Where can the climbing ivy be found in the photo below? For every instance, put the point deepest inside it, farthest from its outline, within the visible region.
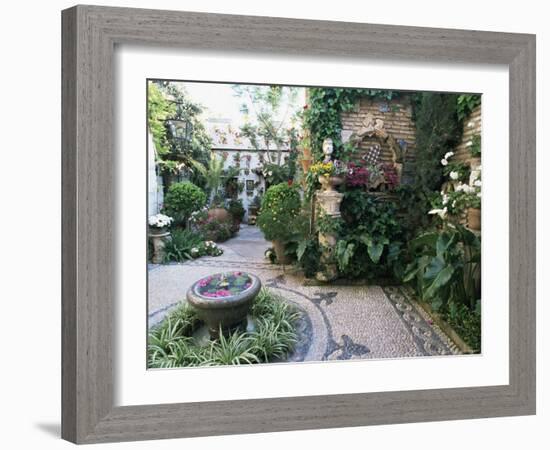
(322, 114)
(465, 104)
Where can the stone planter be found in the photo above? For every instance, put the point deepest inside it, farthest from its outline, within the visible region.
(474, 219)
(226, 313)
(329, 183)
(156, 231)
(279, 247)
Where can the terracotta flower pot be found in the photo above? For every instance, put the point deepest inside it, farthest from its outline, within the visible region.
(220, 214)
(306, 164)
(474, 218)
(279, 247)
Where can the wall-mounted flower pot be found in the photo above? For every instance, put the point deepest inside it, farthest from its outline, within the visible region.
(474, 219)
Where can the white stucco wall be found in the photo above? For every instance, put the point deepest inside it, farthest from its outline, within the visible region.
(244, 176)
(154, 182)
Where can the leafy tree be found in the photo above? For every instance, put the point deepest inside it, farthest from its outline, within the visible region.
(270, 118)
(159, 110)
(169, 100)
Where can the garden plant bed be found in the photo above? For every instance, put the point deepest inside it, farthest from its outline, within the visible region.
(441, 323)
(177, 341)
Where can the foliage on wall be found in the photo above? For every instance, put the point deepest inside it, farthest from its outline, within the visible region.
(323, 113)
(465, 104)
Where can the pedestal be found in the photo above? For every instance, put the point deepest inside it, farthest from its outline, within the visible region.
(329, 201)
(329, 204)
(158, 240)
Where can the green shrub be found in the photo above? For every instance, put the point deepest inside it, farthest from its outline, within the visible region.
(182, 199)
(466, 323)
(370, 238)
(236, 209)
(444, 266)
(171, 343)
(217, 230)
(280, 209)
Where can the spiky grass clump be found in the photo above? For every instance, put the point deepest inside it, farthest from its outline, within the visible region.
(171, 343)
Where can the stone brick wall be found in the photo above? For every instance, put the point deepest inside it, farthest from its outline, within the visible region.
(397, 117)
(472, 126)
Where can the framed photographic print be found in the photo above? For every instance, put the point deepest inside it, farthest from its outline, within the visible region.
(265, 229)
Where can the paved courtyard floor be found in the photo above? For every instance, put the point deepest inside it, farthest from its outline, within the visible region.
(338, 322)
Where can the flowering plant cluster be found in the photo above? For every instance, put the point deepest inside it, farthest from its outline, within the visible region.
(206, 248)
(198, 217)
(224, 285)
(322, 169)
(464, 195)
(160, 220)
(357, 175)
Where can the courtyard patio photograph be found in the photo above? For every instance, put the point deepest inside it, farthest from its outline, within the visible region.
(306, 224)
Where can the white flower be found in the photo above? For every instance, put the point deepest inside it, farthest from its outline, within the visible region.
(469, 144)
(477, 183)
(448, 155)
(159, 220)
(194, 250)
(445, 199)
(444, 162)
(470, 124)
(479, 194)
(454, 203)
(454, 175)
(270, 173)
(440, 212)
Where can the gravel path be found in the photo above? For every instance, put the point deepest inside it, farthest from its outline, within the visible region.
(339, 322)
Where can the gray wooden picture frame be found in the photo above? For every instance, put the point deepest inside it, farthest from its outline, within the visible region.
(90, 34)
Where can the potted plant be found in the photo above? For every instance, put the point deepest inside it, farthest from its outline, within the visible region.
(306, 154)
(159, 223)
(236, 209)
(279, 211)
(330, 174)
(158, 234)
(474, 200)
(217, 210)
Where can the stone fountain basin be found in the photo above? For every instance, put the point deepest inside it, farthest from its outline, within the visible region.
(226, 312)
